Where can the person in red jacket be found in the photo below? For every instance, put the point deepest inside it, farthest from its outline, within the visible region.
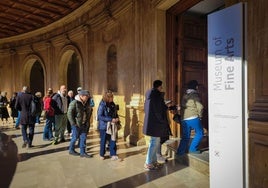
(50, 116)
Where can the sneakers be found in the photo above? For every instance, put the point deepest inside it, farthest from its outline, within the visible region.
(24, 144)
(114, 158)
(102, 158)
(161, 159)
(150, 167)
(54, 142)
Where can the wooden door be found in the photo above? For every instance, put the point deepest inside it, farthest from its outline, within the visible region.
(187, 59)
(193, 57)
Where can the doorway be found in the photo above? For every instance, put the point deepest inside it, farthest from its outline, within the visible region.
(37, 78)
(187, 51)
(73, 73)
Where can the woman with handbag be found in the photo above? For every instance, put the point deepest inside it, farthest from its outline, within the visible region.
(108, 119)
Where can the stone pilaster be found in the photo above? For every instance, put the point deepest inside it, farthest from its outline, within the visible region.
(136, 112)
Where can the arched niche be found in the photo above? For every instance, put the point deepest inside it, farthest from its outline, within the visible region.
(70, 68)
(34, 73)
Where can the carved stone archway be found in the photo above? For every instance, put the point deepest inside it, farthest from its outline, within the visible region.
(28, 74)
(68, 54)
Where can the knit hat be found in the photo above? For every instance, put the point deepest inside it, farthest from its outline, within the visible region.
(192, 84)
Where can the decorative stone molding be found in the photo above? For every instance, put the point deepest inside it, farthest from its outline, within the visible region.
(86, 28)
(12, 51)
(112, 31)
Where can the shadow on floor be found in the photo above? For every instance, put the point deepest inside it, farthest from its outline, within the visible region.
(147, 176)
(8, 159)
(26, 156)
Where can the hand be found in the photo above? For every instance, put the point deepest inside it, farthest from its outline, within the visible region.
(115, 120)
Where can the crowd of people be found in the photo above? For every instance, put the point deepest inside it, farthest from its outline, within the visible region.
(64, 113)
(67, 113)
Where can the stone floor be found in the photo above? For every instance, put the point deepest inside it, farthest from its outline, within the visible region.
(47, 165)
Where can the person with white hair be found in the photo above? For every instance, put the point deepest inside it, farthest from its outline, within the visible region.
(27, 119)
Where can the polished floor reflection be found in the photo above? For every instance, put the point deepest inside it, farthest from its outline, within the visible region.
(47, 165)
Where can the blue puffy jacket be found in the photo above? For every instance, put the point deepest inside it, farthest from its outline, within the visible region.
(103, 116)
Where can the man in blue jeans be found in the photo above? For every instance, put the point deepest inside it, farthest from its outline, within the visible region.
(191, 113)
(155, 122)
(27, 120)
(79, 113)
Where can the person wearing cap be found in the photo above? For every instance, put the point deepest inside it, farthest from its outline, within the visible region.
(156, 123)
(191, 114)
(79, 113)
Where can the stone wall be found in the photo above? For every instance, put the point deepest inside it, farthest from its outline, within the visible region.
(135, 29)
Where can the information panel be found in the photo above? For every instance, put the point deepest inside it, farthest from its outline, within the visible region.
(226, 99)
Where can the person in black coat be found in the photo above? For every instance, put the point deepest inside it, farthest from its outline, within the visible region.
(23, 104)
(12, 102)
(155, 122)
(3, 106)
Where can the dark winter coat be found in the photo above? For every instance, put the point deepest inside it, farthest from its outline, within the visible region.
(78, 113)
(39, 105)
(14, 111)
(3, 107)
(155, 120)
(23, 104)
(57, 104)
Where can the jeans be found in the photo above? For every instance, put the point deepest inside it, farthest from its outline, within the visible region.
(27, 137)
(17, 120)
(37, 119)
(60, 125)
(187, 125)
(152, 150)
(78, 133)
(50, 120)
(112, 144)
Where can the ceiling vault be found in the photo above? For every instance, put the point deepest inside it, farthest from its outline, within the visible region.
(22, 16)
